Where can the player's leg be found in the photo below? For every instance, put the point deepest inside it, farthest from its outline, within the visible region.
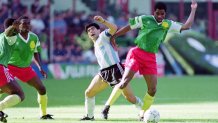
(9, 85)
(42, 96)
(15, 96)
(33, 80)
(151, 81)
(127, 77)
(118, 89)
(129, 95)
(96, 86)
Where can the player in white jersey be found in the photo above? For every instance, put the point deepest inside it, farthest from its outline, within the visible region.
(111, 70)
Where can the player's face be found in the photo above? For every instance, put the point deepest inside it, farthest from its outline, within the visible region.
(159, 15)
(93, 33)
(24, 25)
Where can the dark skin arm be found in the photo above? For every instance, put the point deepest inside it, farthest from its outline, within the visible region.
(38, 63)
(12, 30)
(120, 32)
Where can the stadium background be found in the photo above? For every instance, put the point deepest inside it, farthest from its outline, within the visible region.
(188, 63)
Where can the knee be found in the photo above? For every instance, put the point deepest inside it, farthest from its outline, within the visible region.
(42, 90)
(89, 93)
(152, 91)
(20, 94)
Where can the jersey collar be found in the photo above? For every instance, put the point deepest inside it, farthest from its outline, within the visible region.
(25, 39)
(156, 20)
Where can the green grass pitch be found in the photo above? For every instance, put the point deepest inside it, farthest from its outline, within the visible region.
(178, 99)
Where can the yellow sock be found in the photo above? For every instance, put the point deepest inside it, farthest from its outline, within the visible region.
(148, 101)
(114, 95)
(42, 100)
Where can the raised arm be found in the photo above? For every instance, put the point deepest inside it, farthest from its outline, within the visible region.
(12, 30)
(112, 27)
(190, 19)
(122, 31)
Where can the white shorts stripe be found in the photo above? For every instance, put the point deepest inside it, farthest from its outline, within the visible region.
(7, 75)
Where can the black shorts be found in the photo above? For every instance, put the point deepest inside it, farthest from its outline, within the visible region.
(113, 74)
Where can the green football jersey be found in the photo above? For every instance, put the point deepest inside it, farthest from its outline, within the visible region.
(6, 47)
(152, 33)
(24, 50)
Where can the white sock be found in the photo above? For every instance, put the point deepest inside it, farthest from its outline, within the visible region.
(9, 101)
(90, 106)
(138, 103)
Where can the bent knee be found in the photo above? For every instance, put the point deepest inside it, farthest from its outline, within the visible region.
(21, 95)
(89, 93)
(152, 91)
(41, 90)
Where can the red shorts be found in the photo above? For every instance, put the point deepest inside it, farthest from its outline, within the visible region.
(24, 74)
(142, 61)
(5, 76)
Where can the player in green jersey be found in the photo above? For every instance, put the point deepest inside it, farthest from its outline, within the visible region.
(152, 31)
(7, 82)
(28, 46)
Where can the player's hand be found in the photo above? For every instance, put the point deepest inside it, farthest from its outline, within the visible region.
(113, 43)
(16, 24)
(44, 74)
(99, 19)
(194, 4)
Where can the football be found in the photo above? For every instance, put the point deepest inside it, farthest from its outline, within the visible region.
(151, 116)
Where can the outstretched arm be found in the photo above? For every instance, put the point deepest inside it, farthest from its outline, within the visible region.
(190, 19)
(112, 27)
(122, 31)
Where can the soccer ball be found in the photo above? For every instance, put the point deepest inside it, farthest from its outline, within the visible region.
(151, 116)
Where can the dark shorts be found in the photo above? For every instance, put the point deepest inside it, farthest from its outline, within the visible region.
(113, 74)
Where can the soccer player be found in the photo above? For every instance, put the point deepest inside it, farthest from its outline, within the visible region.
(28, 45)
(152, 32)
(7, 82)
(111, 69)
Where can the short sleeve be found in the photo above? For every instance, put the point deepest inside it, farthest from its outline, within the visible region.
(11, 40)
(107, 33)
(175, 27)
(135, 22)
(38, 47)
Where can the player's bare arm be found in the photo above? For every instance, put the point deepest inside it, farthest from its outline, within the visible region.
(122, 31)
(112, 27)
(39, 65)
(190, 19)
(12, 30)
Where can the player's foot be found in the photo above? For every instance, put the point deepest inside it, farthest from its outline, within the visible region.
(47, 117)
(88, 118)
(105, 112)
(3, 117)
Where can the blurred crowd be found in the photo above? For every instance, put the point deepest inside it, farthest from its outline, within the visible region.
(70, 42)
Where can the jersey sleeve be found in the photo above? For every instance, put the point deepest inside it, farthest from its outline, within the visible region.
(38, 47)
(105, 35)
(11, 40)
(135, 22)
(175, 27)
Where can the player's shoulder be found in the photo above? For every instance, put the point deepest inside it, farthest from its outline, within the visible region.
(33, 34)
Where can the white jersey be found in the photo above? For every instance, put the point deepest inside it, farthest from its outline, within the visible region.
(104, 52)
